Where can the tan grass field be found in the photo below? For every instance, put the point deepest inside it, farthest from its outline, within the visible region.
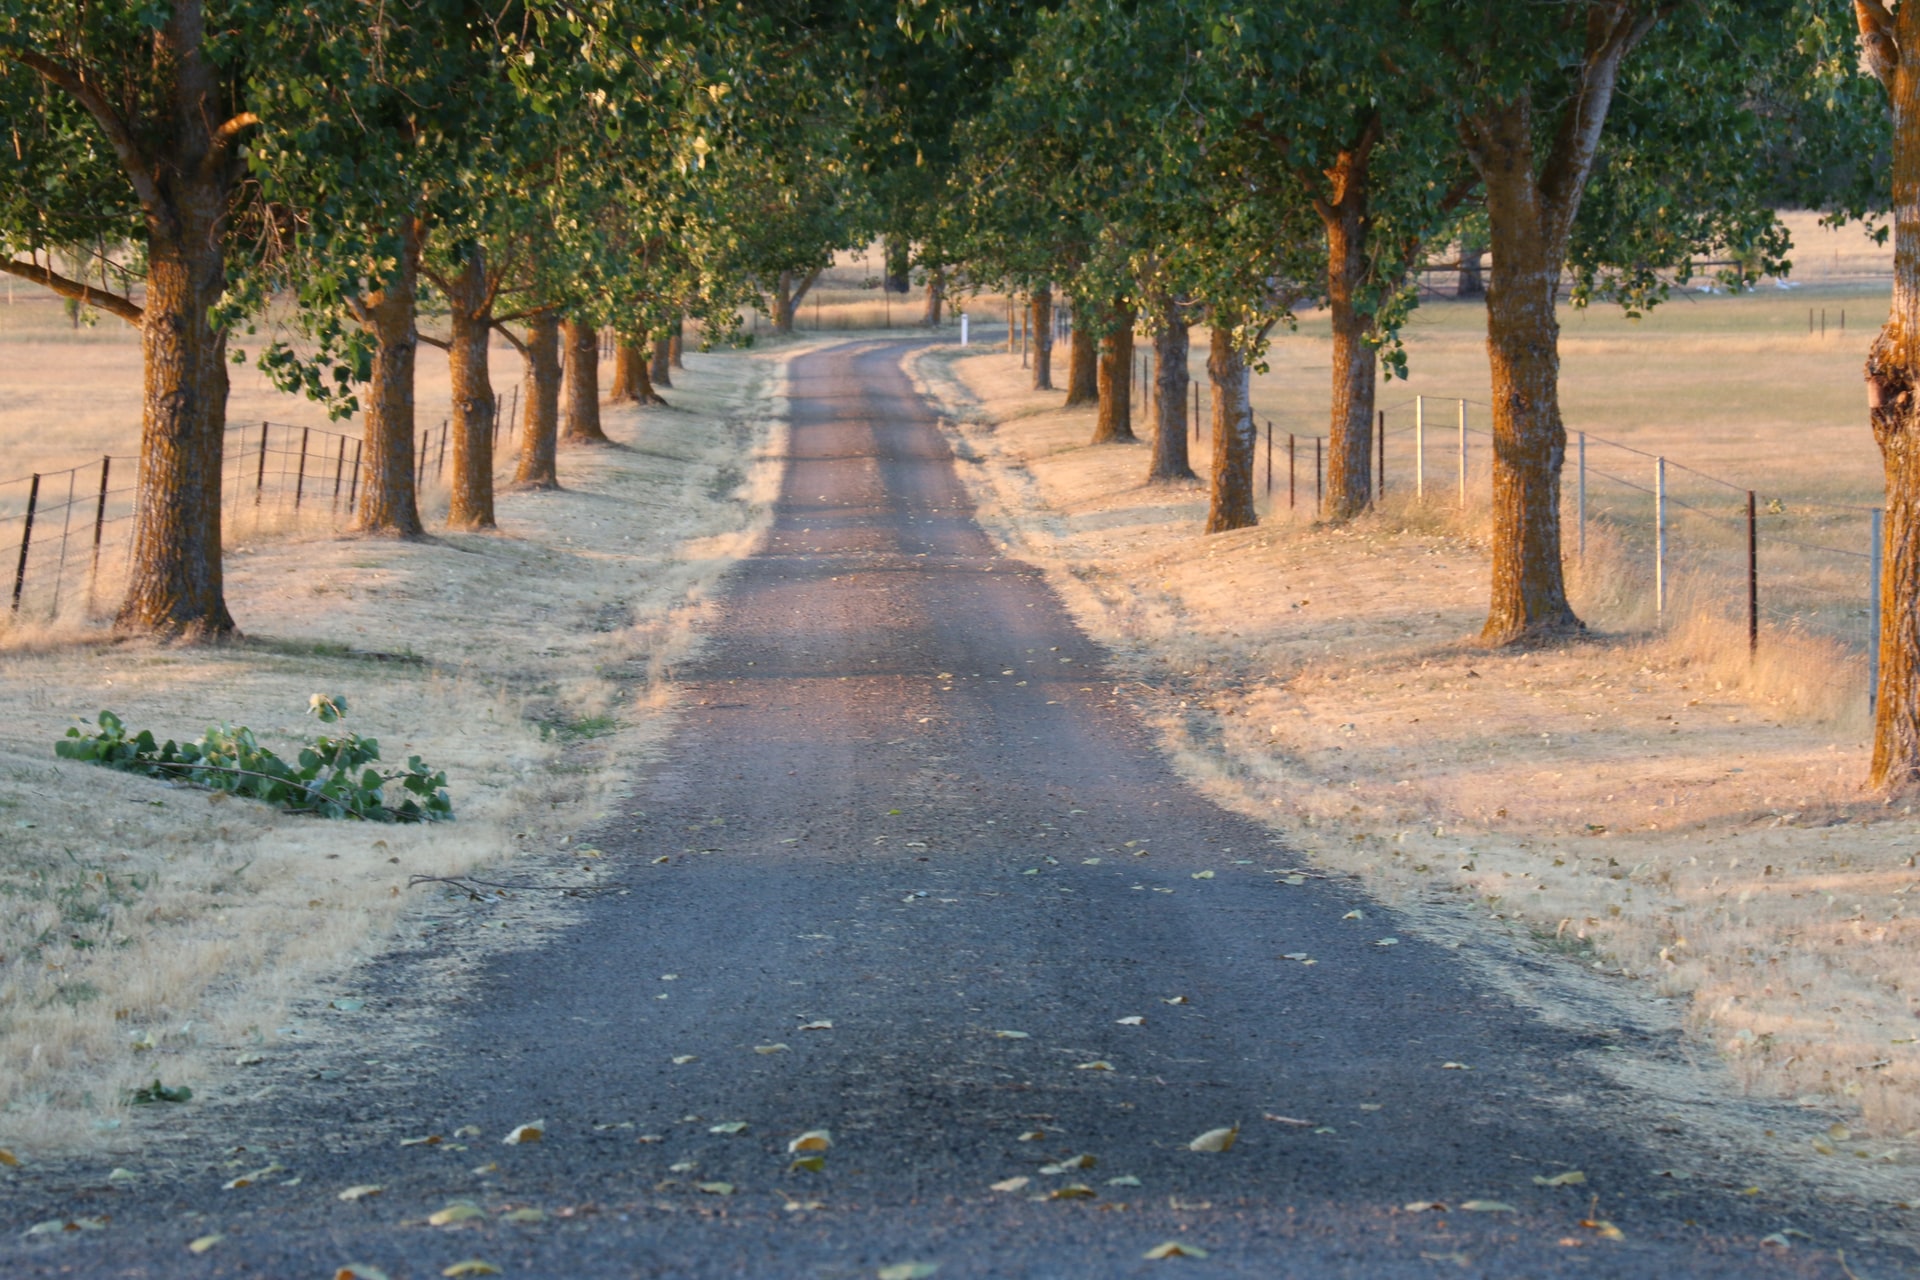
(1648, 803)
(159, 932)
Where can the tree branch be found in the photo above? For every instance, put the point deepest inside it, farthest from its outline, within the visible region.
(85, 294)
(224, 137)
(1877, 43)
(139, 172)
(432, 341)
(499, 327)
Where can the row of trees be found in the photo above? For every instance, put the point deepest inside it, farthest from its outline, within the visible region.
(445, 171)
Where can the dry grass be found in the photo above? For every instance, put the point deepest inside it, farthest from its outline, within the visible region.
(153, 931)
(1648, 802)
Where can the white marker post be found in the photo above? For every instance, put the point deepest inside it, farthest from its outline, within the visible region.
(963, 328)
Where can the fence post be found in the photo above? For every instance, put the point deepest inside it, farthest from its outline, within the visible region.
(1380, 478)
(440, 464)
(1196, 412)
(420, 465)
(26, 540)
(66, 536)
(1580, 497)
(300, 476)
(1269, 457)
(1319, 492)
(99, 528)
(513, 410)
(1291, 486)
(1753, 579)
(1873, 610)
(353, 479)
(339, 470)
(963, 328)
(260, 472)
(1660, 537)
(1419, 448)
(1463, 455)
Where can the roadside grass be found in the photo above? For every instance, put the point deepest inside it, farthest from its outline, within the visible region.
(1650, 800)
(151, 931)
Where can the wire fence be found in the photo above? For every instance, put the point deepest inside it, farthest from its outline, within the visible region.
(68, 535)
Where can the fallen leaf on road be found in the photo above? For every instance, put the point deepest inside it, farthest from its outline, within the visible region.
(1455, 1066)
(203, 1243)
(1098, 1064)
(347, 1005)
(1203, 875)
(662, 858)
(470, 1267)
(1175, 1202)
(1215, 1140)
(714, 1188)
(1606, 1230)
(1387, 942)
(683, 1059)
(1089, 862)
(1294, 1120)
(812, 1164)
(728, 1127)
(801, 1206)
(812, 1140)
(1173, 1249)
(1295, 880)
(359, 1271)
(1082, 1161)
(431, 1140)
(1135, 1021)
(1011, 1035)
(57, 1226)
(467, 1131)
(1425, 1206)
(1571, 1178)
(770, 1048)
(1354, 915)
(1487, 1206)
(8, 1159)
(524, 1215)
(491, 1166)
(457, 1211)
(1124, 1180)
(908, 1271)
(822, 1025)
(360, 1192)
(1032, 1135)
(1072, 1191)
(1176, 1000)
(525, 1133)
(1301, 956)
(1016, 1183)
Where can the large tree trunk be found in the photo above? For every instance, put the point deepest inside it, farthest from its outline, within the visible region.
(1040, 330)
(1230, 504)
(936, 296)
(1114, 421)
(540, 414)
(470, 506)
(675, 342)
(1170, 381)
(897, 254)
(661, 370)
(625, 387)
(1473, 279)
(788, 293)
(1892, 46)
(1350, 427)
(388, 502)
(582, 379)
(1083, 366)
(1529, 438)
(175, 587)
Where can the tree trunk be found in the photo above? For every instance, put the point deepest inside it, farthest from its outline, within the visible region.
(470, 506)
(789, 291)
(936, 296)
(661, 370)
(1893, 399)
(1473, 280)
(1529, 438)
(897, 252)
(675, 341)
(1083, 367)
(388, 502)
(1113, 424)
(1350, 427)
(1170, 382)
(582, 379)
(625, 388)
(175, 587)
(540, 414)
(1230, 504)
(1040, 330)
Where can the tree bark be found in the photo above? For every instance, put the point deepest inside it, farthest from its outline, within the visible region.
(661, 370)
(582, 382)
(1230, 503)
(1891, 43)
(1473, 279)
(675, 343)
(789, 291)
(625, 387)
(470, 506)
(1113, 423)
(1355, 365)
(388, 501)
(936, 296)
(1529, 438)
(897, 252)
(176, 587)
(1170, 382)
(1083, 366)
(1040, 330)
(540, 412)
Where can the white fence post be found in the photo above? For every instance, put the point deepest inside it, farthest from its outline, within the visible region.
(963, 328)
(1660, 537)
(1419, 448)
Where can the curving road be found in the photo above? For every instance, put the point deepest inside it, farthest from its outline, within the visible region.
(905, 803)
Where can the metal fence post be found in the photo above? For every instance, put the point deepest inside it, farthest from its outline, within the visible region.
(1580, 497)
(353, 479)
(339, 472)
(260, 472)
(66, 535)
(1319, 490)
(1463, 455)
(1874, 554)
(1380, 478)
(1269, 457)
(440, 464)
(1291, 487)
(99, 528)
(26, 541)
(1753, 579)
(1660, 537)
(300, 476)
(1419, 448)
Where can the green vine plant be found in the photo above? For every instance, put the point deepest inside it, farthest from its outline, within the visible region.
(331, 777)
